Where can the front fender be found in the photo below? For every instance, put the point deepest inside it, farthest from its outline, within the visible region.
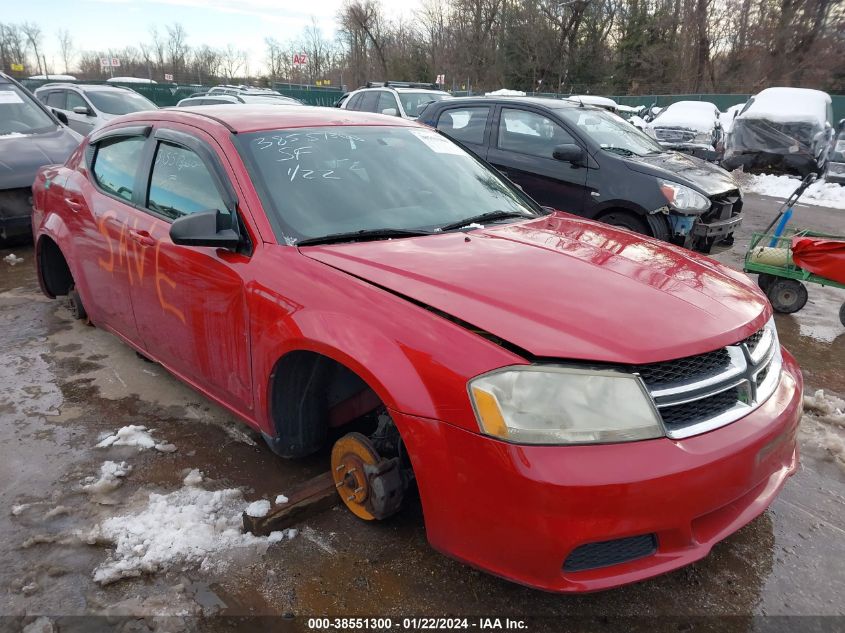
(416, 361)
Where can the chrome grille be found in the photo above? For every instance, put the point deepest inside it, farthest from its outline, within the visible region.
(690, 368)
(704, 392)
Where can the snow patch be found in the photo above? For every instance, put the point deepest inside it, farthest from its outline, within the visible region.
(111, 477)
(12, 259)
(191, 527)
(135, 435)
(258, 509)
(280, 499)
(825, 408)
(193, 478)
(789, 104)
(820, 193)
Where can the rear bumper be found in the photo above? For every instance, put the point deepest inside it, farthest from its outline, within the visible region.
(520, 511)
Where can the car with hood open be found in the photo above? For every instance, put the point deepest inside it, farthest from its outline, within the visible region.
(578, 406)
(782, 130)
(587, 161)
(30, 137)
(691, 127)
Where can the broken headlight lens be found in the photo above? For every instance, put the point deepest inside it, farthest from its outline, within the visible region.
(683, 198)
(561, 405)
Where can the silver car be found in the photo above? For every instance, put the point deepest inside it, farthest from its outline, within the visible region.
(86, 107)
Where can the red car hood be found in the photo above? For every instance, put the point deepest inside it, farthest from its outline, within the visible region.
(563, 287)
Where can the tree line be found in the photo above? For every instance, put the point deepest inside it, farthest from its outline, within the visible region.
(560, 46)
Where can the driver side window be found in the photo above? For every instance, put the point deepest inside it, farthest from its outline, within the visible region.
(180, 184)
(530, 133)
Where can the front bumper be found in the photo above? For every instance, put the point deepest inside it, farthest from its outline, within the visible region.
(717, 228)
(520, 511)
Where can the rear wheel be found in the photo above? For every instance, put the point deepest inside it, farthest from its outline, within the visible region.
(764, 281)
(626, 220)
(842, 314)
(787, 295)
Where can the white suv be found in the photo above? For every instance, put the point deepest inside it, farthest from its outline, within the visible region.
(394, 98)
(86, 107)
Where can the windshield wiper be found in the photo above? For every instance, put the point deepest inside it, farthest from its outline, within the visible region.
(490, 216)
(619, 150)
(362, 235)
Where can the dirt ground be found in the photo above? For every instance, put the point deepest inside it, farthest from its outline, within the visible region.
(66, 385)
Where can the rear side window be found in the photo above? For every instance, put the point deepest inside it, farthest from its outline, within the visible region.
(464, 124)
(116, 163)
(56, 99)
(368, 101)
(181, 184)
(530, 133)
(354, 101)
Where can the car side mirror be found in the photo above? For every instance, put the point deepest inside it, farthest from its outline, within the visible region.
(205, 228)
(569, 153)
(81, 110)
(61, 116)
(390, 112)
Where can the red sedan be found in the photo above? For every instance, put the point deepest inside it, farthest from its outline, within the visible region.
(579, 406)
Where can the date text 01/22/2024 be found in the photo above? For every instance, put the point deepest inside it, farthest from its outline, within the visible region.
(417, 624)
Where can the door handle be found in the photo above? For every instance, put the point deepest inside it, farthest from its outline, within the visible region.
(142, 237)
(74, 203)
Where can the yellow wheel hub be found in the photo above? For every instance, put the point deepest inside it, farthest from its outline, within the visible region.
(350, 455)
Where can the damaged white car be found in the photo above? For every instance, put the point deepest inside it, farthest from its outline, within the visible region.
(692, 127)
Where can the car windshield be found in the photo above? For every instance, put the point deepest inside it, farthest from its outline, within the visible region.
(19, 114)
(317, 182)
(611, 132)
(413, 102)
(119, 101)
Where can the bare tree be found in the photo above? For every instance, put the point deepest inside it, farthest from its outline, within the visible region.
(65, 47)
(32, 33)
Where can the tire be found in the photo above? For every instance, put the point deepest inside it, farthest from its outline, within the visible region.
(764, 281)
(842, 314)
(75, 304)
(625, 220)
(787, 295)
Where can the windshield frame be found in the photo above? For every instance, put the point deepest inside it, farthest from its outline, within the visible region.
(564, 114)
(33, 101)
(286, 237)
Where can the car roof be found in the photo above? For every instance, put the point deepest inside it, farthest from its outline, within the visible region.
(258, 117)
(83, 87)
(401, 89)
(545, 102)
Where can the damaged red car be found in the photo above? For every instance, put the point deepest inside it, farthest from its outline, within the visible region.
(579, 406)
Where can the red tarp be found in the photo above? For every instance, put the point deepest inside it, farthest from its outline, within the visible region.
(820, 256)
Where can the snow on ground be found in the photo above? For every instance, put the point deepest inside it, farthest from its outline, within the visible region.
(12, 259)
(135, 435)
(280, 499)
(258, 509)
(820, 193)
(191, 527)
(111, 476)
(824, 423)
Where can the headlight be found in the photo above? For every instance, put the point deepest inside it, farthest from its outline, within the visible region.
(560, 405)
(682, 198)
